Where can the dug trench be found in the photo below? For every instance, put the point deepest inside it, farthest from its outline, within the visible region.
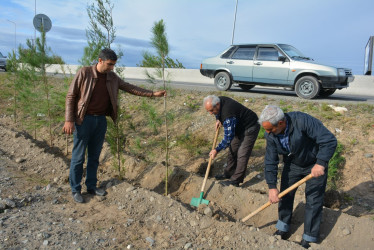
(234, 203)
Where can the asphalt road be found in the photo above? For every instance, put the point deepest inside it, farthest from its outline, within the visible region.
(274, 93)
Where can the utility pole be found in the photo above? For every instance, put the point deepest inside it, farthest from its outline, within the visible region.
(15, 35)
(233, 29)
(33, 42)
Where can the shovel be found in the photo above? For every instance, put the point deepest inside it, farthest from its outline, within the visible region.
(305, 179)
(197, 201)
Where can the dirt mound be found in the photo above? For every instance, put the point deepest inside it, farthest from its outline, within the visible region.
(37, 208)
(37, 211)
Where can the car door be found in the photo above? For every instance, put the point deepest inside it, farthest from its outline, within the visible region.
(268, 69)
(240, 63)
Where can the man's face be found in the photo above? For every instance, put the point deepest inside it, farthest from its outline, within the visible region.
(105, 66)
(275, 129)
(212, 110)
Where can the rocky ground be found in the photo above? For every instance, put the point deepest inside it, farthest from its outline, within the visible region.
(37, 210)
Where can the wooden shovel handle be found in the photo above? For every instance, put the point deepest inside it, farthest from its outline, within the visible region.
(210, 160)
(305, 179)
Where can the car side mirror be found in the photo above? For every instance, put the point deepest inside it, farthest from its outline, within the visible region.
(282, 58)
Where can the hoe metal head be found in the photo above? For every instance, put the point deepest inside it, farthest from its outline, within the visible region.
(197, 201)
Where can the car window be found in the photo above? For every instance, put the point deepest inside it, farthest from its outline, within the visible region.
(245, 53)
(268, 54)
(228, 52)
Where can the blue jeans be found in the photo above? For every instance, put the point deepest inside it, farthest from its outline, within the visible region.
(314, 194)
(89, 135)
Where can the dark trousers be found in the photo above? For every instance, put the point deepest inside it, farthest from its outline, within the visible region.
(239, 152)
(314, 194)
(89, 135)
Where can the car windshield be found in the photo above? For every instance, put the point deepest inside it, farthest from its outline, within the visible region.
(1, 55)
(293, 52)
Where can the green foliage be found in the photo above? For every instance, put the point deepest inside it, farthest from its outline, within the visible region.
(116, 138)
(101, 31)
(35, 101)
(192, 104)
(152, 61)
(153, 119)
(159, 40)
(194, 144)
(325, 107)
(286, 108)
(261, 133)
(336, 163)
(347, 198)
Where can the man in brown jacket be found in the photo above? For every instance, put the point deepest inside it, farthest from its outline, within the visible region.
(92, 96)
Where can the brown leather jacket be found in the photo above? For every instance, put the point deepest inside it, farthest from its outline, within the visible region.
(81, 88)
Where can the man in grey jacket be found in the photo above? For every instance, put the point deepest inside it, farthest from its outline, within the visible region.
(92, 96)
(307, 146)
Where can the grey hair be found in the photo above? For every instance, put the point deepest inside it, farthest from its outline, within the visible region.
(214, 99)
(272, 114)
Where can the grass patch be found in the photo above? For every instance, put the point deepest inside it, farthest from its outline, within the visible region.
(194, 144)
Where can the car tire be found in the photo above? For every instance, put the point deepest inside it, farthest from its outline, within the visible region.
(326, 92)
(222, 81)
(307, 87)
(246, 86)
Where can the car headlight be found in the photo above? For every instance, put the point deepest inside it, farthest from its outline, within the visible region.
(341, 72)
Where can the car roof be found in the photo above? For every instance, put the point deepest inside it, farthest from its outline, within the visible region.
(256, 44)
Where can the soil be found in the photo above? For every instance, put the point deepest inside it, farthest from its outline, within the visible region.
(37, 209)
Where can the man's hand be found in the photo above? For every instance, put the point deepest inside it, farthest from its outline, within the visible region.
(273, 195)
(68, 128)
(213, 153)
(160, 93)
(318, 170)
(218, 124)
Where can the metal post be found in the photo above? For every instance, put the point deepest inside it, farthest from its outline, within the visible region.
(33, 43)
(233, 29)
(15, 35)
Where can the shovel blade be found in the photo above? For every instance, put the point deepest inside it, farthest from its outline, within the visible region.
(197, 201)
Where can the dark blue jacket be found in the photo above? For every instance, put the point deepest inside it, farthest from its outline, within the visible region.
(310, 142)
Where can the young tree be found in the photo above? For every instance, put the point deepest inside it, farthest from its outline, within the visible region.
(38, 98)
(101, 31)
(160, 44)
(13, 69)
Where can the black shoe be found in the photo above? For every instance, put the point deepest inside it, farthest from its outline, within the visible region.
(97, 191)
(304, 244)
(78, 197)
(284, 235)
(221, 177)
(229, 182)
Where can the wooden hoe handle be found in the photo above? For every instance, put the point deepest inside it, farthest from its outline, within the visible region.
(305, 179)
(210, 160)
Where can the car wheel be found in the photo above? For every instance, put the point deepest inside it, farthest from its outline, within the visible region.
(326, 92)
(246, 86)
(307, 87)
(222, 81)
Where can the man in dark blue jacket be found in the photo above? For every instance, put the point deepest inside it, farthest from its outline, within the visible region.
(307, 146)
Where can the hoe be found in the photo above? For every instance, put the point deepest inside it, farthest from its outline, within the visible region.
(305, 179)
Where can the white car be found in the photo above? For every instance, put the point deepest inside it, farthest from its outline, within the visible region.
(278, 65)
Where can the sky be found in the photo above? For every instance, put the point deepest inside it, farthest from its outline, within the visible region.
(333, 32)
